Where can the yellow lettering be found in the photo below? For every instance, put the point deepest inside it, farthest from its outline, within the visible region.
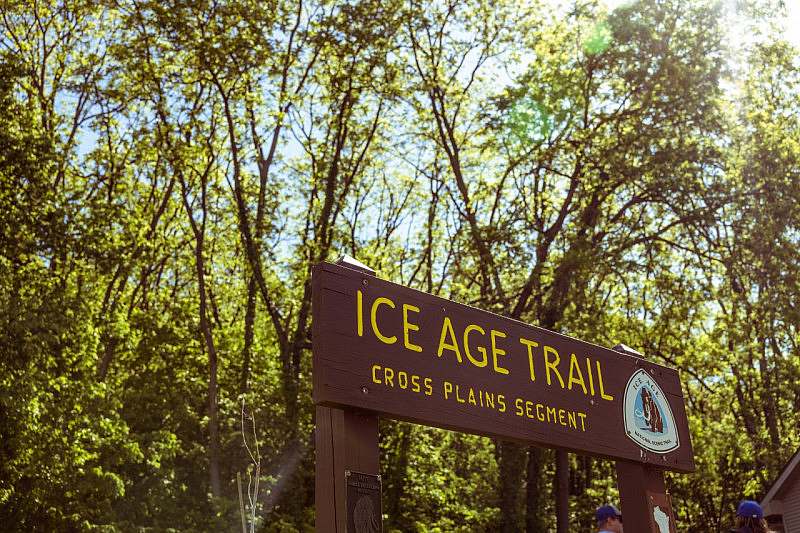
(501, 401)
(573, 365)
(561, 420)
(360, 313)
(573, 422)
(388, 376)
(447, 328)
(497, 351)
(479, 363)
(402, 379)
(374, 376)
(553, 411)
(489, 399)
(582, 416)
(589, 372)
(459, 399)
(448, 388)
(603, 394)
(539, 412)
(518, 405)
(374, 319)
(471, 398)
(428, 386)
(408, 326)
(529, 409)
(415, 383)
(548, 365)
(531, 345)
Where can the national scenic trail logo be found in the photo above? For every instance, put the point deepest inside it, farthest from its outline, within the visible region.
(648, 416)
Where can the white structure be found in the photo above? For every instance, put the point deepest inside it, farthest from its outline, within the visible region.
(783, 498)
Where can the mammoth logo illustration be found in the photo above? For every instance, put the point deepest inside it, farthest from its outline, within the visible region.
(364, 516)
(363, 502)
(648, 415)
(650, 412)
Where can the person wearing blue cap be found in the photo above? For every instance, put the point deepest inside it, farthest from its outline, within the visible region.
(750, 518)
(609, 519)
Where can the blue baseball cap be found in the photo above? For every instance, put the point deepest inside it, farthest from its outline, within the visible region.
(750, 509)
(605, 512)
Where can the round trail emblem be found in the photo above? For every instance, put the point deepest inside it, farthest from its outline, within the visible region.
(648, 415)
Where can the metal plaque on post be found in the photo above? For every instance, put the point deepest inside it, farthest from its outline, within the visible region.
(364, 513)
(663, 519)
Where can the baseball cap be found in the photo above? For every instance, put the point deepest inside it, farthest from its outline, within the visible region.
(607, 511)
(749, 509)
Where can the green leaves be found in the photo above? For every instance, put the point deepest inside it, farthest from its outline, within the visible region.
(599, 39)
(585, 171)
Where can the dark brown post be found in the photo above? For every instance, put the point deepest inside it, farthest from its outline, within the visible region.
(562, 491)
(645, 501)
(644, 498)
(345, 440)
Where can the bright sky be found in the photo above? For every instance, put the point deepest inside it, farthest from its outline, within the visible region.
(791, 22)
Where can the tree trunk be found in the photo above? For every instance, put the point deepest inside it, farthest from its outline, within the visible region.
(511, 463)
(534, 501)
(768, 399)
(205, 328)
(213, 415)
(396, 484)
(562, 491)
(249, 321)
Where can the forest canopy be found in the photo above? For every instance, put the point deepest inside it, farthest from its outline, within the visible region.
(171, 170)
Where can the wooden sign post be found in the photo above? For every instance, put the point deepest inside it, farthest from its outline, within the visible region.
(384, 350)
(346, 441)
(646, 505)
(645, 502)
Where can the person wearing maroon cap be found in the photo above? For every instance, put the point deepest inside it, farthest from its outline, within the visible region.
(609, 519)
(750, 518)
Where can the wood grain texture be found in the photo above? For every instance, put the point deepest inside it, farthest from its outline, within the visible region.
(324, 493)
(641, 489)
(345, 440)
(344, 365)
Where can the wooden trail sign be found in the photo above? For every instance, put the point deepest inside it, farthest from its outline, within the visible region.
(404, 354)
(385, 350)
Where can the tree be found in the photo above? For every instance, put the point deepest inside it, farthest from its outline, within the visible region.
(171, 171)
(589, 174)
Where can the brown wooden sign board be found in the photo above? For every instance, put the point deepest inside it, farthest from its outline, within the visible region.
(381, 349)
(395, 352)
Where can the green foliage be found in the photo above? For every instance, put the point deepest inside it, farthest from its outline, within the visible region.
(459, 497)
(169, 172)
(599, 39)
